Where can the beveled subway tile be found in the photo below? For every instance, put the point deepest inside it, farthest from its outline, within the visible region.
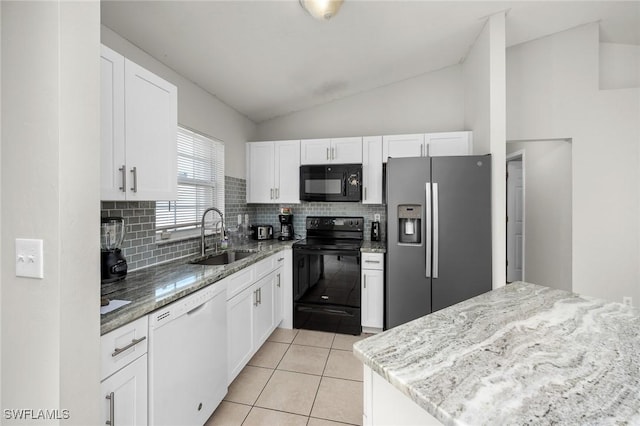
(304, 359)
(264, 417)
(246, 388)
(290, 392)
(339, 400)
(228, 414)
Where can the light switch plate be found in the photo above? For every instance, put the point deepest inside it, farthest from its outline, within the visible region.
(376, 217)
(29, 258)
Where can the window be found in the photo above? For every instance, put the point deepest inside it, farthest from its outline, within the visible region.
(200, 183)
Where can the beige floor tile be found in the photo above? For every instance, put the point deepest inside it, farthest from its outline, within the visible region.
(269, 355)
(246, 388)
(322, 422)
(283, 335)
(304, 359)
(290, 392)
(343, 365)
(339, 400)
(228, 414)
(314, 338)
(345, 341)
(263, 417)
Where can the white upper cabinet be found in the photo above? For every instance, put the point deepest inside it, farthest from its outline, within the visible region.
(399, 146)
(273, 172)
(372, 170)
(449, 143)
(139, 125)
(331, 151)
(430, 144)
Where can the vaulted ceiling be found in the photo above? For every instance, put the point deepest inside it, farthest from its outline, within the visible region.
(268, 58)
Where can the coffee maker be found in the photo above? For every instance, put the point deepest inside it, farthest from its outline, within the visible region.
(113, 263)
(286, 226)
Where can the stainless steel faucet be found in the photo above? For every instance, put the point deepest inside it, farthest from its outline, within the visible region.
(224, 232)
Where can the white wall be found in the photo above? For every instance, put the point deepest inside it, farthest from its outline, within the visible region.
(50, 191)
(197, 108)
(547, 168)
(484, 107)
(431, 102)
(619, 66)
(552, 87)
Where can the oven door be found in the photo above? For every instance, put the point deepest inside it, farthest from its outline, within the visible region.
(326, 290)
(340, 182)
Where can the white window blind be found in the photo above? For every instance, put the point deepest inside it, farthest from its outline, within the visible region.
(200, 182)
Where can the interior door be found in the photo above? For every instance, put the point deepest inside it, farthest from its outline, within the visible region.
(461, 190)
(515, 221)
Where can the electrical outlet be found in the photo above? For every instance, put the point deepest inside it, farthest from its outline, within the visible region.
(376, 217)
(627, 300)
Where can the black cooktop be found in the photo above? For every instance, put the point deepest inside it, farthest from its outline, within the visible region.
(328, 244)
(333, 233)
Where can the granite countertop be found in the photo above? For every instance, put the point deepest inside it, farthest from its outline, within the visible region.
(156, 286)
(521, 354)
(374, 247)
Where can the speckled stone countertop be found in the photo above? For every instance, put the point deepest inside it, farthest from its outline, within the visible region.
(154, 287)
(521, 354)
(373, 247)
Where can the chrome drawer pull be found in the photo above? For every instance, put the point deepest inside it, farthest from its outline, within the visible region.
(112, 408)
(134, 342)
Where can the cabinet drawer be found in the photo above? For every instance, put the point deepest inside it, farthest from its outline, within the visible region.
(123, 345)
(240, 280)
(373, 261)
(265, 266)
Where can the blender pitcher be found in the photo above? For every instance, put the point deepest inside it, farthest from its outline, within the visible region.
(113, 263)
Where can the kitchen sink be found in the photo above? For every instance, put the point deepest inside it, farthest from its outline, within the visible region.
(223, 258)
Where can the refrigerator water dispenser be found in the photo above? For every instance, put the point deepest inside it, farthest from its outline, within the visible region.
(409, 223)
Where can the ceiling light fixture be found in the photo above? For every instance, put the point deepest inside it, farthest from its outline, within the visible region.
(322, 10)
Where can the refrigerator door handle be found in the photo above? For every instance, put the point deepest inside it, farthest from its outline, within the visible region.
(427, 239)
(436, 214)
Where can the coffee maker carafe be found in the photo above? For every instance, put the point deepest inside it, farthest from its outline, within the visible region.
(286, 227)
(113, 263)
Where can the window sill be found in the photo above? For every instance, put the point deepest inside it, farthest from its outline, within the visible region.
(177, 236)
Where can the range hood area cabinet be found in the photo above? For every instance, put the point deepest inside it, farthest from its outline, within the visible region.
(331, 151)
(139, 116)
(427, 145)
(273, 172)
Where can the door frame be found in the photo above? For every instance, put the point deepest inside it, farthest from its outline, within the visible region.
(517, 156)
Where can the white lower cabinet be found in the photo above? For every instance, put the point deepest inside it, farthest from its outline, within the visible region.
(263, 310)
(283, 298)
(372, 281)
(239, 331)
(125, 395)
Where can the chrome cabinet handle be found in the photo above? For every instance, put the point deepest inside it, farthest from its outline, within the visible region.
(365, 281)
(371, 261)
(327, 153)
(255, 297)
(271, 193)
(134, 171)
(112, 408)
(118, 351)
(278, 280)
(421, 151)
(277, 193)
(333, 153)
(260, 296)
(365, 192)
(281, 259)
(123, 170)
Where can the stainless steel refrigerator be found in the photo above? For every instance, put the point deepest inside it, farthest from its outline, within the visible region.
(438, 234)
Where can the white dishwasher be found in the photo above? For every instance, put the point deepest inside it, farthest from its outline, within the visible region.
(188, 358)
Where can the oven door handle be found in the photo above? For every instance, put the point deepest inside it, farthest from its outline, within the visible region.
(321, 251)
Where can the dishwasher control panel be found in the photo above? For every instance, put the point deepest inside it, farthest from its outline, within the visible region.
(185, 305)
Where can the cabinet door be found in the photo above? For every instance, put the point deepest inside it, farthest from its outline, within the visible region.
(151, 117)
(264, 310)
(278, 295)
(240, 331)
(260, 170)
(287, 171)
(450, 143)
(125, 395)
(372, 170)
(112, 160)
(399, 146)
(372, 298)
(346, 150)
(315, 151)
(287, 288)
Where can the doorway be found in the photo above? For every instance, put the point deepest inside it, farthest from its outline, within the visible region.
(515, 216)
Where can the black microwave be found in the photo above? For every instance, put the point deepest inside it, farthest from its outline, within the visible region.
(331, 182)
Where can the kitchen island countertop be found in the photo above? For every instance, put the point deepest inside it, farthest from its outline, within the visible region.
(520, 354)
(151, 288)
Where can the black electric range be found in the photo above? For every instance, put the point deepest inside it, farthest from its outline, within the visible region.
(326, 275)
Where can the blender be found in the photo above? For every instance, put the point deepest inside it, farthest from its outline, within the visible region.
(113, 263)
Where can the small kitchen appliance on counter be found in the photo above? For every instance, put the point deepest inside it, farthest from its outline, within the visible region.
(113, 263)
(286, 225)
(375, 231)
(261, 232)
